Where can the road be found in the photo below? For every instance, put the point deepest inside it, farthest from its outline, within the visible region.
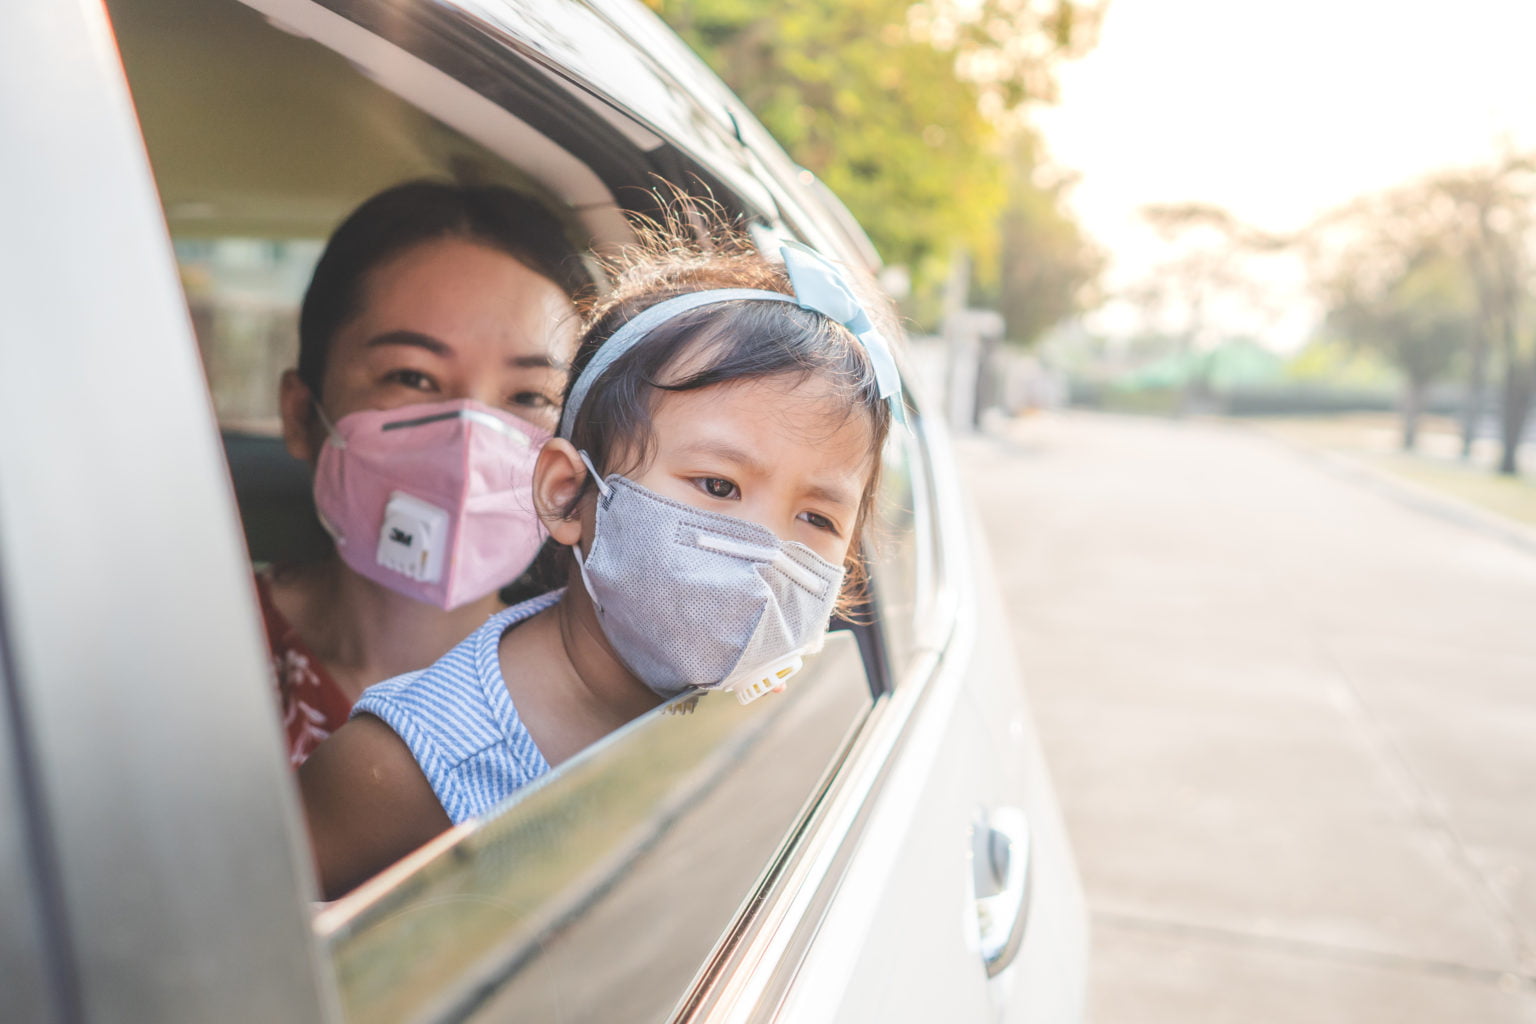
(1291, 720)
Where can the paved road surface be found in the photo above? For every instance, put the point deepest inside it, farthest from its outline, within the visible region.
(1292, 722)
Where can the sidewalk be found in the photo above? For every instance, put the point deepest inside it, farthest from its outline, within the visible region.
(1435, 476)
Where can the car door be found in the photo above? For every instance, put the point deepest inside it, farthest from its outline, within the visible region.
(815, 855)
(960, 900)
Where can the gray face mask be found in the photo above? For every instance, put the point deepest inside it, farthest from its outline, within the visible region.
(690, 598)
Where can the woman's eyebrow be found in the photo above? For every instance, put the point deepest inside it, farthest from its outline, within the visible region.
(411, 339)
(415, 339)
(536, 362)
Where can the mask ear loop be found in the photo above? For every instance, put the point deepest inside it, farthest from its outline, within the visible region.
(332, 437)
(331, 434)
(597, 478)
(581, 559)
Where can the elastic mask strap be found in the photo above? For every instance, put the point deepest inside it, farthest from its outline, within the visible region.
(586, 581)
(581, 557)
(330, 428)
(602, 485)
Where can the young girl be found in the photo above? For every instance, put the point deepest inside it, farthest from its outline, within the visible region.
(714, 463)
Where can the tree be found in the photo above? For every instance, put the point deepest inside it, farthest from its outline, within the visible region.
(895, 105)
(1494, 209)
(1483, 219)
(1048, 270)
(1421, 317)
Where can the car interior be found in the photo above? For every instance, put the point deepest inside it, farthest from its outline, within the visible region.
(279, 139)
(265, 125)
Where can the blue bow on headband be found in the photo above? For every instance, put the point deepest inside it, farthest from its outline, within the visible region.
(822, 287)
(819, 287)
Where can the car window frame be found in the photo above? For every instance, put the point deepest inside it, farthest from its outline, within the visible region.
(817, 844)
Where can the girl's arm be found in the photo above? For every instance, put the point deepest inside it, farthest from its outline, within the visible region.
(367, 802)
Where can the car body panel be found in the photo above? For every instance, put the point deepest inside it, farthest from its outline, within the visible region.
(155, 797)
(33, 955)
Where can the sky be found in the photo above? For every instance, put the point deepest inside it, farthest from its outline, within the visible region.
(1279, 112)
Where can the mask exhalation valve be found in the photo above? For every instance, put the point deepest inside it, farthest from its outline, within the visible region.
(769, 680)
(413, 537)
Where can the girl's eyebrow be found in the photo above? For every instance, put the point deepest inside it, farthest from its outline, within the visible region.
(734, 454)
(831, 494)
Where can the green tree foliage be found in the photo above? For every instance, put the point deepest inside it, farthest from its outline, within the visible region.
(895, 105)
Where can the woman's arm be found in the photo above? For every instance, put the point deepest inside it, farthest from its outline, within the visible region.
(367, 802)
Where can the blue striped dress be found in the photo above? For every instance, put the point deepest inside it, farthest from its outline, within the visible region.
(458, 720)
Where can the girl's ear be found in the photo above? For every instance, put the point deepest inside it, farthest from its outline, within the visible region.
(558, 479)
(300, 424)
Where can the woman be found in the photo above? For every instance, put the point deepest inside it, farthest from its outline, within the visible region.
(453, 303)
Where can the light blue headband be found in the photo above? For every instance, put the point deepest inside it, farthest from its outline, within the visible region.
(819, 286)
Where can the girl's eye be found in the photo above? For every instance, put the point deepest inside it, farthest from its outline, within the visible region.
(717, 487)
(413, 379)
(531, 400)
(820, 522)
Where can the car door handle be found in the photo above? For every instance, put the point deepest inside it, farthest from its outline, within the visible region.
(1000, 858)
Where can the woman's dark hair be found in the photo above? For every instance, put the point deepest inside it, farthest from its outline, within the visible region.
(407, 215)
(739, 339)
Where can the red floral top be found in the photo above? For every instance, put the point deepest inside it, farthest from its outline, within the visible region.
(313, 705)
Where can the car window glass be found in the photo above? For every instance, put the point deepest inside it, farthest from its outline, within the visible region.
(902, 551)
(599, 893)
(243, 295)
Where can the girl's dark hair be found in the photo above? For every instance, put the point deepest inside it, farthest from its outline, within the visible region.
(407, 215)
(740, 339)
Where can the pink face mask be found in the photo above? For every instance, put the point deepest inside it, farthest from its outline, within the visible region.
(434, 501)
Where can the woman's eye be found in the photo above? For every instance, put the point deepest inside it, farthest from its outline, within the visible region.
(531, 400)
(413, 379)
(718, 487)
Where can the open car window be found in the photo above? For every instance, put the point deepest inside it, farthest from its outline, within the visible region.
(615, 880)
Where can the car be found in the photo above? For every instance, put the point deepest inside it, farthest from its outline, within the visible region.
(879, 843)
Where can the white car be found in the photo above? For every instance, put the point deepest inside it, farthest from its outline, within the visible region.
(880, 843)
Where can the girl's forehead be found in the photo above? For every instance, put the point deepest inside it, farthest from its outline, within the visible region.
(805, 398)
(788, 414)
